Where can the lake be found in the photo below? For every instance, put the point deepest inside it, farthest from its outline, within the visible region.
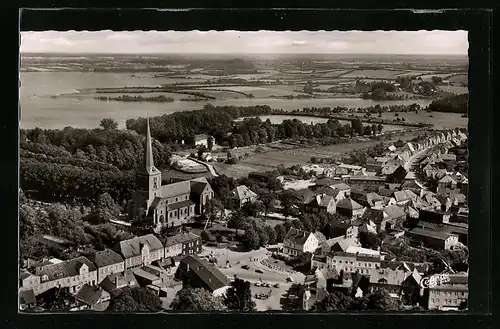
(38, 109)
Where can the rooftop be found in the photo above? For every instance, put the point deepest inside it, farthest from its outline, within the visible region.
(180, 238)
(132, 247)
(206, 272)
(66, 269)
(105, 258)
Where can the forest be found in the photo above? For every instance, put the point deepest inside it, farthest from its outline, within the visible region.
(451, 104)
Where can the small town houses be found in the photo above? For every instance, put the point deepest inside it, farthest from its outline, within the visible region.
(141, 261)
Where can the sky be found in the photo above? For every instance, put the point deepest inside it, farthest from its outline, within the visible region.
(254, 42)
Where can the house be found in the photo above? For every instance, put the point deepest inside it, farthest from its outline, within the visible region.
(344, 190)
(71, 274)
(199, 273)
(434, 216)
(459, 229)
(342, 229)
(242, 195)
(141, 250)
(322, 203)
(374, 165)
(182, 244)
(398, 176)
(378, 217)
(107, 262)
(350, 263)
(447, 182)
(304, 196)
(392, 148)
(366, 180)
(370, 199)
(201, 140)
(400, 279)
(432, 238)
(96, 298)
(449, 295)
(395, 215)
(297, 242)
(335, 193)
(27, 299)
(165, 205)
(349, 208)
(148, 275)
(119, 280)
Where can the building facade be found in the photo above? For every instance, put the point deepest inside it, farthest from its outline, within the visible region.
(141, 250)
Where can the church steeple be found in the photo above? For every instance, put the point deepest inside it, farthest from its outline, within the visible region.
(148, 156)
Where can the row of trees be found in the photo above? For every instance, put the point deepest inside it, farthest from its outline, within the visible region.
(451, 104)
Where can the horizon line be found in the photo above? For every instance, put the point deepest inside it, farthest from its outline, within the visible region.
(246, 54)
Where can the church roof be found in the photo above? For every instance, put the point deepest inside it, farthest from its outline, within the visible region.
(149, 166)
(175, 189)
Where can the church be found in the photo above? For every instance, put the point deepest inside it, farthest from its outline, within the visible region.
(168, 205)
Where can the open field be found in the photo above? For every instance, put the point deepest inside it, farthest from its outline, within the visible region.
(455, 89)
(459, 78)
(382, 74)
(440, 120)
(296, 156)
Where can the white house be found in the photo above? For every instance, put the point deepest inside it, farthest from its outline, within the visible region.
(297, 242)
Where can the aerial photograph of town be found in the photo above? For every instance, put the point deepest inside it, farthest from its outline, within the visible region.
(233, 171)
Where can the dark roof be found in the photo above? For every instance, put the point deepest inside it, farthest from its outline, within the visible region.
(375, 215)
(27, 297)
(297, 236)
(348, 203)
(430, 233)
(89, 294)
(207, 273)
(363, 258)
(328, 191)
(181, 204)
(180, 238)
(198, 185)
(304, 195)
(367, 178)
(116, 280)
(66, 269)
(105, 258)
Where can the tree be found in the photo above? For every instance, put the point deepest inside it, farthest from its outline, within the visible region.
(236, 220)
(280, 232)
(108, 124)
(135, 300)
(201, 149)
(293, 298)
(106, 209)
(379, 128)
(271, 233)
(308, 87)
(251, 238)
(196, 300)
(357, 126)
(252, 209)
(210, 143)
(239, 296)
(369, 240)
(335, 301)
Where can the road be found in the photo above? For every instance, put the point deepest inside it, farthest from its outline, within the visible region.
(415, 157)
(209, 166)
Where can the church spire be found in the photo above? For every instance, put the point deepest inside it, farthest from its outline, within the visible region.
(150, 166)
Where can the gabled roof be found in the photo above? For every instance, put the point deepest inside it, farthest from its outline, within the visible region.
(90, 295)
(198, 185)
(371, 198)
(242, 192)
(304, 196)
(348, 203)
(441, 235)
(132, 247)
(207, 273)
(375, 215)
(66, 269)
(180, 238)
(175, 189)
(116, 280)
(105, 258)
(340, 186)
(297, 236)
(393, 211)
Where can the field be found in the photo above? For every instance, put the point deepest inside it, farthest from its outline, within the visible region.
(455, 89)
(440, 120)
(382, 74)
(459, 78)
(297, 156)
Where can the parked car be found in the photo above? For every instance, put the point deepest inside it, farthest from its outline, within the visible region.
(245, 267)
(257, 284)
(259, 271)
(289, 279)
(276, 285)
